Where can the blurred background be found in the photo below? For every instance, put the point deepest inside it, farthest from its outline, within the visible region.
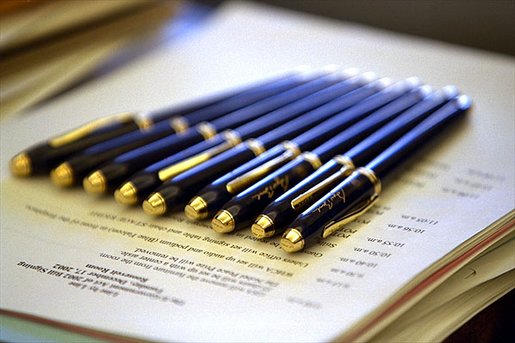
(48, 47)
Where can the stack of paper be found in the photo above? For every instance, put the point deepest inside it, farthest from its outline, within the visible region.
(88, 265)
(51, 45)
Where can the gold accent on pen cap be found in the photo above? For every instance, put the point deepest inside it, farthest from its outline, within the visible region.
(369, 173)
(95, 183)
(62, 175)
(232, 137)
(292, 240)
(155, 205)
(196, 209)
(89, 128)
(144, 123)
(325, 185)
(223, 222)
(345, 161)
(291, 147)
(127, 194)
(263, 227)
(359, 208)
(312, 158)
(21, 165)
(179, 124)
(256, 146)
(207, 130)
(180, 167)
(252, 176)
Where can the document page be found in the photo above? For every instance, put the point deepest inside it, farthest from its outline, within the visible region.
(73, 258)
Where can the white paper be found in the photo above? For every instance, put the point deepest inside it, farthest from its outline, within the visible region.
(445, 319)
(202, 286)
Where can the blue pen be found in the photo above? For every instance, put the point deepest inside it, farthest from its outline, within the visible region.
(358, 192)
(241, 210)
(283, 210)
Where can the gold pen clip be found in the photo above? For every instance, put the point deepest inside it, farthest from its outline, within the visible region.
(359, 208)
(348, 167)
(255, 174)
(89, 128)
(231, 139)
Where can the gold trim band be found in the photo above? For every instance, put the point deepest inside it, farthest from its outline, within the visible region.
(312, 158)
(144, 123)
(291, 147)
(232, 137)
(345, 161)
(256, 146)
(369, 173)
(207, 130)
(179, 124)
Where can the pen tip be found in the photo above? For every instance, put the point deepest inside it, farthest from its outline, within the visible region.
(126, 194)
(95, 183)
(62, 175)
(155, 205)
(263, 227)
(20, 165)
(223, 222)
(292, 241)
(196, 209)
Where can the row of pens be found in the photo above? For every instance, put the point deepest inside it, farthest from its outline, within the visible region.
(297, 156)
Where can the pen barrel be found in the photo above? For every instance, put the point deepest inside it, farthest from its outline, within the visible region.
(336, 209)
(247, 205)
(282, 212)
